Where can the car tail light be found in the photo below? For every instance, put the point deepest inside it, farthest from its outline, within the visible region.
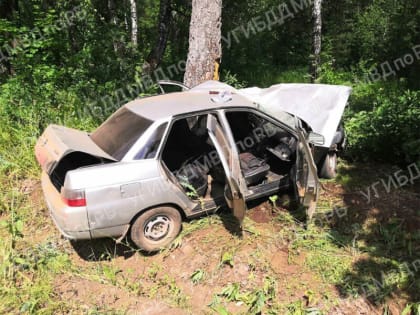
(73, 198)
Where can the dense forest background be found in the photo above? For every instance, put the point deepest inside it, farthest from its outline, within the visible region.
(74, 62)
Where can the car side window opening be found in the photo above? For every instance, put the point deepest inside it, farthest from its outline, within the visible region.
(149, 150)
(189, 154)
(267, 152)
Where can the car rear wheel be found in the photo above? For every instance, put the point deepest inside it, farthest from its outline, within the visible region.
(156, 228)
(329, 167)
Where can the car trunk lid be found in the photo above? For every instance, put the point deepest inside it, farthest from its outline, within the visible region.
(57, 142)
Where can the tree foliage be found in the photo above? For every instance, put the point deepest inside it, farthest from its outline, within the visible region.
(51, 69)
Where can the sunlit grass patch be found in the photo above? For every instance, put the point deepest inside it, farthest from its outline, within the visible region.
(28, 275)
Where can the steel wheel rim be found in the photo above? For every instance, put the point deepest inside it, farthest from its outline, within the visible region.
(157, 227)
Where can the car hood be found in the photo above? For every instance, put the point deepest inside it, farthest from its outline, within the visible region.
(320, 106)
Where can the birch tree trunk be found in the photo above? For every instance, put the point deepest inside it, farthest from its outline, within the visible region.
(134, 26)
(316, 41)
(114, 21)
(205, 48)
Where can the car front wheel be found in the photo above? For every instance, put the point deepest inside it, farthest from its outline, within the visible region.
(329, 167)
(156, 228)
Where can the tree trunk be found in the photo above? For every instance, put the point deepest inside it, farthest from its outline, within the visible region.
(134, 26)
(205, 48)
(316, 41)
(112, 12)
(7, 8)
(113, 19)
(165, 18)
(72, 31)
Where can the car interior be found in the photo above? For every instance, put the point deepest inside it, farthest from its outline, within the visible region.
(267, 154)
(187, 155)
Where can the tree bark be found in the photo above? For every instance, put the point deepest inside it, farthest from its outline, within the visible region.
(165, 17)
(134, 25)
(113, 20)
(316, 41)
(205, 48)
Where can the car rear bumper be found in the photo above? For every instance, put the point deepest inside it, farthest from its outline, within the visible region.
(72, 222)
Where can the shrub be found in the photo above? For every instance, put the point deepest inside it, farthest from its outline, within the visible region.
(389, 131)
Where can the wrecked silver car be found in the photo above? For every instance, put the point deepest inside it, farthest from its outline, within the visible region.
(161, 159)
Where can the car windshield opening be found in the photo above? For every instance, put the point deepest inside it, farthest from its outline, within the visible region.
(119, 132)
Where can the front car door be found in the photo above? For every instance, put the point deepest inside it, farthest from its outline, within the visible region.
(230, 162)
(307, 182)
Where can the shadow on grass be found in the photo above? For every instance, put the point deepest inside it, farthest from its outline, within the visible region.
(385, 233)
(286, 201)
(231, 223)
(104, 249)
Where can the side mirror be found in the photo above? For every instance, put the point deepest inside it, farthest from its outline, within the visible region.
(316, 138)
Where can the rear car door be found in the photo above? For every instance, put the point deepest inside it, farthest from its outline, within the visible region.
(307, 182)
(234, 195)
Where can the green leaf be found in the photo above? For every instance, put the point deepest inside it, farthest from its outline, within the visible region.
(19, 226)
(407, 310)
(257, 302)
(197, 276)
(20, 261)
(231, 292)
(221, 310)
(227, 258)
(273, 199)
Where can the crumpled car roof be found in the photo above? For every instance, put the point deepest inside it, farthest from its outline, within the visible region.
(321, 106)
(179, 103)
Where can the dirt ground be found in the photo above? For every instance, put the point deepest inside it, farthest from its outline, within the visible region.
(116, 278)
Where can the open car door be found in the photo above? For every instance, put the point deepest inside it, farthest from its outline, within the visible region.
(306, 176)
(234, 197)
(172, 86)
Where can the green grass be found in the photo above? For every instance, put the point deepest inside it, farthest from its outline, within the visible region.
(29, 271)
(257, 300)
(28, 274)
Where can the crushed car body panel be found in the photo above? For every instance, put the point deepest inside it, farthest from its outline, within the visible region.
(320, 106)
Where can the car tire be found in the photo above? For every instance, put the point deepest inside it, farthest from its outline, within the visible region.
(156, 228)
(329, 166)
